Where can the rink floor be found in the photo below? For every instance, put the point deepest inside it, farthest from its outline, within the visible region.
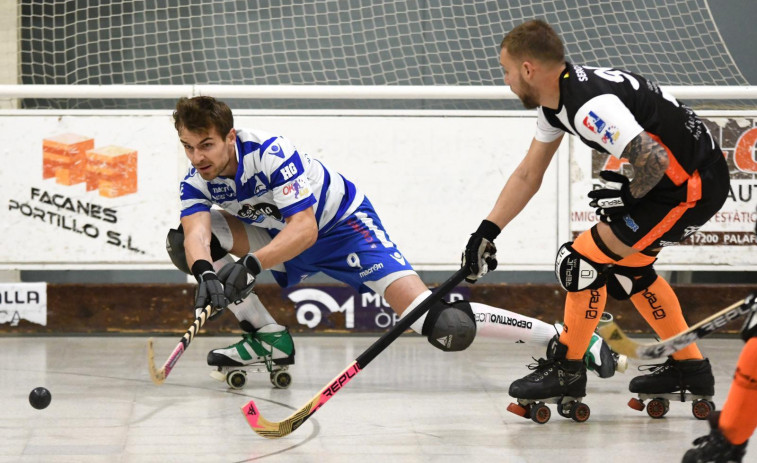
(411, 404)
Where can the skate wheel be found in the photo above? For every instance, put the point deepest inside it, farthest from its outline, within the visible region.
(636, 404)
(540, 413)
(218, 376)
(580, 412)
(622, 364)
(518, 410)
(657, 408)
(564, 411)
(281, 379)
(701, 409)
(236, 379)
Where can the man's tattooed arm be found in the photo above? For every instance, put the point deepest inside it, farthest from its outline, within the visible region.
(649, 160)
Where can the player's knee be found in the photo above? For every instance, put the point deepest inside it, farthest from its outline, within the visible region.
(576, 272)
(450, 327)
(177, 254)
(623, 282)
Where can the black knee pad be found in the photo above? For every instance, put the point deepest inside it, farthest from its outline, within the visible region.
(575, 272)
(624, 282)
(175, 248)
(450, 327)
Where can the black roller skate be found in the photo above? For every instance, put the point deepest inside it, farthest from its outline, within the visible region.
(268, 350)
(714, 447)
(554, 380)
(679, 380)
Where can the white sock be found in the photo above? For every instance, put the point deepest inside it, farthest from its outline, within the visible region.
(497, 323)
(251, 310)
(492, 322)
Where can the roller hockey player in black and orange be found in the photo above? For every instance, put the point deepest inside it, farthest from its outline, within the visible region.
(680, 179)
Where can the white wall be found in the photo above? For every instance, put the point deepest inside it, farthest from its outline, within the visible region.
(431, 176)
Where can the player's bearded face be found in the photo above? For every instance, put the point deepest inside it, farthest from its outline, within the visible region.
(527, 95)
(210, 153)
(513, 77)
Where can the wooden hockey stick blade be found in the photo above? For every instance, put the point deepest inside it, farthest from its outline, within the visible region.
(159, 376)
(273, 430)
(622, 344)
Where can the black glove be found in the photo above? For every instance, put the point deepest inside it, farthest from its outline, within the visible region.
(480, 255)
(234, 277)
(613, 202)
(209, 289)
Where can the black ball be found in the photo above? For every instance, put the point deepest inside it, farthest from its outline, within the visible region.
(40, 398)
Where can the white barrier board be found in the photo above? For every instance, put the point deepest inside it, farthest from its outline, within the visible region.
(432, 178)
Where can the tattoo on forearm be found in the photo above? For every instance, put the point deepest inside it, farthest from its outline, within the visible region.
(649, 161)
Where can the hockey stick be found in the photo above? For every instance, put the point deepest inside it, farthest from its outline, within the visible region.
(274, 430)
(158, 376)
(622, 344)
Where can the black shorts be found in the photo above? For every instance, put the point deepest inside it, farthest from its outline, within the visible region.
(667, 216)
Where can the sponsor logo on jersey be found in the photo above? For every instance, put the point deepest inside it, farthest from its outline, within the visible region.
(371, 269)
(298, 187)
(580, 73)
(630, 223)
(275, 150)
(610, 135)
(221, 192)
(594, 122)
(398, 257)
(257, 212)
(288, 171)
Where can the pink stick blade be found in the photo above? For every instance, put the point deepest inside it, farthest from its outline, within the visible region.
(252, 414)
(173, 358)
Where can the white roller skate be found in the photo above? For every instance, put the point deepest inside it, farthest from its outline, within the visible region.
(267, 350)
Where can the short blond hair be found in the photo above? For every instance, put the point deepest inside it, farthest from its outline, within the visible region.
(534, 39)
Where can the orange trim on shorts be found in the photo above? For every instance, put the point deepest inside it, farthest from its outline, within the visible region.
(636, 259)
(678, 176)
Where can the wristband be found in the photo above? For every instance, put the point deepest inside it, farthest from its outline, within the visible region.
(252, 264)
(488, 230)
(200, 270)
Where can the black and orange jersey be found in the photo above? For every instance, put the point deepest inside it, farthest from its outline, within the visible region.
(606, 108)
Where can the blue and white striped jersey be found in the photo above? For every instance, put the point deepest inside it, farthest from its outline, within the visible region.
(273, 181)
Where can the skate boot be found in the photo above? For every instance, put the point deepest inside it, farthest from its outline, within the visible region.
(714, 447)
(679, 380)
(269, 349)
(599, 358)
(554, 380)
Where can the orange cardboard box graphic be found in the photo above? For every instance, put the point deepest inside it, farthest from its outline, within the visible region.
(112, 170)
(73, 159)
(63, 157)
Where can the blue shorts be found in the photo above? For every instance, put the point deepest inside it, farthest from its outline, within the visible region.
(357, 251)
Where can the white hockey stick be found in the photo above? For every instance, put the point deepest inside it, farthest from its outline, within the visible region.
(622, 344)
